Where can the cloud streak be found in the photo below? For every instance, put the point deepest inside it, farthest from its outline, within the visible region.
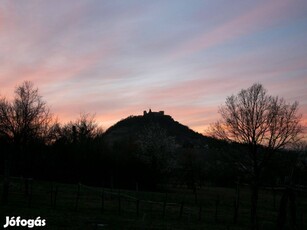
(118, 58)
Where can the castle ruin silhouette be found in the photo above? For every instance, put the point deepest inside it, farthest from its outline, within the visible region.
(150, 113)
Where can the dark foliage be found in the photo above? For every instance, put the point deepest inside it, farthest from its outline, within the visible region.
(139, 152)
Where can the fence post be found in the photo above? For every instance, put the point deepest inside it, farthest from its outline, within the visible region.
(137, 207)
(137, 202)
(302, 220)
(217, 202)
(274, 197)
(51, 194)
(181, 210)
(236, 202)
(77, 197)
(119, 202)
(102, 199)
(164, 208)
(195, 194)
(164, 205)
(151, 204)
(55, 195)
(199, 212)
(29, 190)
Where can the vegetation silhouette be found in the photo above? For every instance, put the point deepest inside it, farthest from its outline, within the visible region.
(25, 126)
(263, 124)
(153, 152)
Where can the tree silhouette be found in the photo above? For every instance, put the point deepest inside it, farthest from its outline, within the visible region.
(79, 144)
(157, 150)
(81, 130)
(264, 124)
(24, 121)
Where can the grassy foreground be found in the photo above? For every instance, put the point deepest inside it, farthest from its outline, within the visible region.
(67, 206)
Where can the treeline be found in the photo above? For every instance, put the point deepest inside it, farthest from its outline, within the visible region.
(35, 145)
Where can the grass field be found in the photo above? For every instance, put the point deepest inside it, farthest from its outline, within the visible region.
(67, 206)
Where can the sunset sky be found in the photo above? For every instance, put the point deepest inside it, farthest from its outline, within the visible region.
(117, 58)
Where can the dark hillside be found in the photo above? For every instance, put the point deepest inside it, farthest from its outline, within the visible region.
(131, 126)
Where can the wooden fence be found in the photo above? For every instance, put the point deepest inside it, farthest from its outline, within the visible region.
(215, 208)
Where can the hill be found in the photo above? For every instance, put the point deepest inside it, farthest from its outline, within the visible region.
(132, 126)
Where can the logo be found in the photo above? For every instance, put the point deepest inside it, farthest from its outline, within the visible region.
(18, 222)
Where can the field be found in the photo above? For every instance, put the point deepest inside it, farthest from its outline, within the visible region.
(77, 206)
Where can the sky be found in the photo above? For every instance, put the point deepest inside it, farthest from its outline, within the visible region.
(117, 58)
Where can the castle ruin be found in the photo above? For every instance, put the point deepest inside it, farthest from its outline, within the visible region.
(150, 113)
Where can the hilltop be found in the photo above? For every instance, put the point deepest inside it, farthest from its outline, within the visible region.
(131, 126)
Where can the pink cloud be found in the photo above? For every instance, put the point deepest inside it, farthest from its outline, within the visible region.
(193, 89)
(50, 53)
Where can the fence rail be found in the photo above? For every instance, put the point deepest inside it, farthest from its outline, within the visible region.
(215, 208)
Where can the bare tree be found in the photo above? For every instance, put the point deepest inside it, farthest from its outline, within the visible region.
(87, 127)
(23, 121)
(25, 118)
(264, 124)
(80, 130)
(81, 140)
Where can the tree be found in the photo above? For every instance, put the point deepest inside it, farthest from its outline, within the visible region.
(157, 150)
(83, 129)
(264, 124)
(26, 118)
(79, 144)
(24, 121)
